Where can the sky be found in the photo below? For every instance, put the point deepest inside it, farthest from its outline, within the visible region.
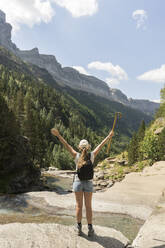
(120, 42)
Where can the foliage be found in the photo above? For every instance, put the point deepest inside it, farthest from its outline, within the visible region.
(161, 142)
(133, 150)
(150, 146)
(134, 147)
(38, 104)
(8, 134)
(161, 110)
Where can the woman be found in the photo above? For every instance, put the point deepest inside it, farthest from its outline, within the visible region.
(82, 188)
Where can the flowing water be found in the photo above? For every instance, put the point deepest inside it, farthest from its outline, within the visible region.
(15, 208)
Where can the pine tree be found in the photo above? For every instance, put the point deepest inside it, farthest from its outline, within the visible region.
(133, 150)
(140, 137)
(8, 132)
(141, 131)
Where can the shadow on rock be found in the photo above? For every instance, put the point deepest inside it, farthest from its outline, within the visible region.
(106, 242)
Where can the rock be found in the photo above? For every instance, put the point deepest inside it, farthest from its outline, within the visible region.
(99, 182)
(5, 35)
(97, 188)
(110, 184)
(52, 169)
(152, 233)
(111, 160)
(27, 235)
(159, 130)
(94, 183)
(121, 162)
(103, 183)
(100, 175)
(2, 17)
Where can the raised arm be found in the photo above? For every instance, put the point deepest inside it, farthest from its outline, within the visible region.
(55, 132)
(98, 148)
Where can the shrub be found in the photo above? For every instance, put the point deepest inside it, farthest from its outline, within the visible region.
(149, 147)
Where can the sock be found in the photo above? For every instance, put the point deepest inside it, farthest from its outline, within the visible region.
(89, 225)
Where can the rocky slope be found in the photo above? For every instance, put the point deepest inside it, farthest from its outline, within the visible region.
(152, 232)
(69, 76)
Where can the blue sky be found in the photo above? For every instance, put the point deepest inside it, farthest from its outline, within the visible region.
(120, 42)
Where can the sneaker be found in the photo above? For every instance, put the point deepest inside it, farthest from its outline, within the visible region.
(90, 230)
(78, 229)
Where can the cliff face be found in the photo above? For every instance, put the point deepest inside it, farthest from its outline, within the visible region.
(66, 75)
(141, 104)
(5, 33)
(69, 76)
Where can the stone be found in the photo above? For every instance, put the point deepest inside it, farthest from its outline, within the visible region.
(121, 162)
(111, 160)
(2, 17)
(99, 182)
(52, 168)
(104, 183)
(100, 175)
(97, 188)
(152, 233)
(94, 183)
(159, 130)
(55, 235)
(110, 184)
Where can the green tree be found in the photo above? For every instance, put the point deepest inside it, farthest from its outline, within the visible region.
(8, 132)
(133, 150)
(161, 110)
(140, 137)
(150, 146)
(161, 141)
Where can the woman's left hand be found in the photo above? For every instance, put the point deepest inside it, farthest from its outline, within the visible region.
(111, 134)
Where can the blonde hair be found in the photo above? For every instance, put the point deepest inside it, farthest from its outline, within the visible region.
(84, 156)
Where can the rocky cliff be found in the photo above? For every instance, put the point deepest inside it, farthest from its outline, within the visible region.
(69, 76)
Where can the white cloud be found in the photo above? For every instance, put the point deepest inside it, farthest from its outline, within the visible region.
(79, 7)
(115, 71)
(81, 70)
(157, 101)
(112, 82)
(140, 16)
(27, 12)
(157, 75)
(31, 12)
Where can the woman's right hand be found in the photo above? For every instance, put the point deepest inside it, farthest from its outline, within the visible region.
(55, 132)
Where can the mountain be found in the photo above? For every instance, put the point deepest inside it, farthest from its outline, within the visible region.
(67, 76)
(77, 114)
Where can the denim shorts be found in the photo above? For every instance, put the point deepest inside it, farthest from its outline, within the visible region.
(85, 186)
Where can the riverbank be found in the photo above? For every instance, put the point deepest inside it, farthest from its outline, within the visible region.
(139, 195)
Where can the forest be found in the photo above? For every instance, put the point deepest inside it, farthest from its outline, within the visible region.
(34, 103)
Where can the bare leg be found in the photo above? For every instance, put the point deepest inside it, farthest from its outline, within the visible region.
(79, 205)
(88, 205)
